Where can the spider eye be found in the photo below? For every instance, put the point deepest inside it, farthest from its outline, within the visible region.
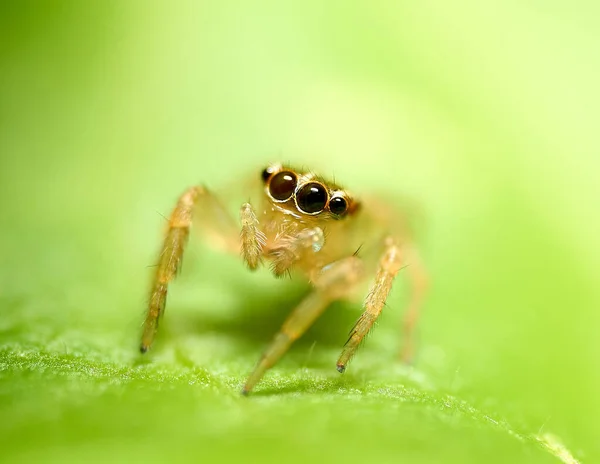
(282, 185)
(338, 206)
(266, 174)
(311, 198)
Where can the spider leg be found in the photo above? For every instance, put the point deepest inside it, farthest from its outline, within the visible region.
(389, 264)
(215, 221)
(252, 238)
(332, 283)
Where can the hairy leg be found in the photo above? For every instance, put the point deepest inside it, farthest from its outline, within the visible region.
(253, 239)
(215, 220)
(334, 282)
(389, 265)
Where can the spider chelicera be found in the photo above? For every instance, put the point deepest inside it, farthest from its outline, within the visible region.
(309, 225)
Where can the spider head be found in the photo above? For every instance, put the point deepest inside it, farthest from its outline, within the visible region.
(306, 194)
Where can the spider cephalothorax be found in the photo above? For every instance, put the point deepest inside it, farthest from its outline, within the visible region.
(306, 193)
(305, 224)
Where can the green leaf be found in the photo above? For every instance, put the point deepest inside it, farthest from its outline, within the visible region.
(483, 114)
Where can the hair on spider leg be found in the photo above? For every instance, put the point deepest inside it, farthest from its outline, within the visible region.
(161, 215)
(280, 274)
(159, 257)
(309, 355)
(357, 252)
(353, 329)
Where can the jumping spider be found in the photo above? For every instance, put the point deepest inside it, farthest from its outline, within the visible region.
(311, 225)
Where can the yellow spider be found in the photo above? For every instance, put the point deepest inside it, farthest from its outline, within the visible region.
(307, 224)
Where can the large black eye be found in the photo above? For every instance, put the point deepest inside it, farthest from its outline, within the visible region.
(282, 185)
(338, 205)
(312, 198)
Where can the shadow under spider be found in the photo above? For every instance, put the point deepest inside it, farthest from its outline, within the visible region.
(259, 315)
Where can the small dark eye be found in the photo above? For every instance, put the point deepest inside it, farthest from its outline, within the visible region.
(266, 174)
(312, 198)
(282, 185)
(338, 205)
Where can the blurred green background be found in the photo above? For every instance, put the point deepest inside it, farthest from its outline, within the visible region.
(486, 113)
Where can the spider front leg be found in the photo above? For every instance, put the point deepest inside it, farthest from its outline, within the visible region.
(334, 281)
(389, 265)
(216, 222)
